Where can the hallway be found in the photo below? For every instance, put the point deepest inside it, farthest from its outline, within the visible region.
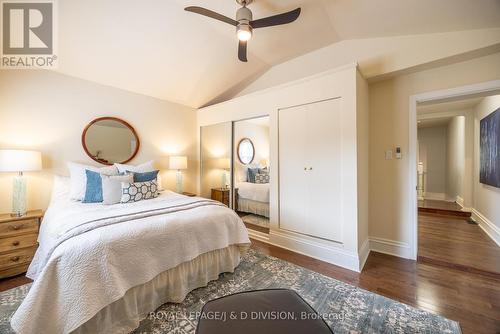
(453, 242)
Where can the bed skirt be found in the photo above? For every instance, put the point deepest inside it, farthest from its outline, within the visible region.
(124, 315)
(258, 208)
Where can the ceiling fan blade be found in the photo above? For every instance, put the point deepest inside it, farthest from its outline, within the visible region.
(242, 51)
(276, 19)
(212, 14)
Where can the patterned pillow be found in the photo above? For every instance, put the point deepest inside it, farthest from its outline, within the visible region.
(262, 178)
(137, 191)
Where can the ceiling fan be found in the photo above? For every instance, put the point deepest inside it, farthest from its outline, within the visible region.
(245, 24)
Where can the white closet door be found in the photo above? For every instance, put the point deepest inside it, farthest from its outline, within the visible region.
(292, 178)
(310, 171)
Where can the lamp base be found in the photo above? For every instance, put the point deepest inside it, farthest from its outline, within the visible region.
(19, 196)
(178, 182)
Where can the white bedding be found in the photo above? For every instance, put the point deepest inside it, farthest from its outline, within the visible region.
(253, 191)
(88, 271)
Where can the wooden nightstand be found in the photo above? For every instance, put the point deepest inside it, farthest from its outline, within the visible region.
(18, 242)
(189, 194)
(221, 195)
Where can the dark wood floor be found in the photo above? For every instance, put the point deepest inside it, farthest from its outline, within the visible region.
(452, 241)
(471, 299)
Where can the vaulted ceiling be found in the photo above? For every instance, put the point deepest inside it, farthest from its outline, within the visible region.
(155, 48)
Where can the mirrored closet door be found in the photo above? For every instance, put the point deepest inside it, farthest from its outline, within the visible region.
(215, 150)
(251, 168)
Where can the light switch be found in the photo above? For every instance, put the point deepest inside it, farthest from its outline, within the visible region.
(398, 153)
(388, 155)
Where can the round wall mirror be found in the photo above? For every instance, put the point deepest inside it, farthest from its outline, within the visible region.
(108, 140)
(246, 151)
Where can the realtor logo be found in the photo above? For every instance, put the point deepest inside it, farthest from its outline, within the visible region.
(28, 34)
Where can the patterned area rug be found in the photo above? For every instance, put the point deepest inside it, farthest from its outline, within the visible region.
(345, 308)
(256, 220)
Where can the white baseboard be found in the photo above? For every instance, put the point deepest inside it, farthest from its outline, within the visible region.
(391, 247)
(317, 249)
(460, 201)
(487, 226)
(264, 237)
(364, 251)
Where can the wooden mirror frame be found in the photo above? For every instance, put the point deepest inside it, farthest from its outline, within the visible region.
(238, 151)
(84, 133)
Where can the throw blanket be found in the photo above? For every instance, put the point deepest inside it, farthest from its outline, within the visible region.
(90, 255)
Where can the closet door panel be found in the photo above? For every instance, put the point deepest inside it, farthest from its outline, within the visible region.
(310, 169)
(292, 178)
(324, 172)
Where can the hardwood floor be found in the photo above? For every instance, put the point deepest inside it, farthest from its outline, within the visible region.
(472, 300)
(453, 242)
(436, 204)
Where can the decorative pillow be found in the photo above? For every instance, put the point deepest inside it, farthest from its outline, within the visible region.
(79, 179)
(262, 178)
(251, 172)
(93, 189)
(145, 167)
(146, 176)
(137, 191)
(112, 187)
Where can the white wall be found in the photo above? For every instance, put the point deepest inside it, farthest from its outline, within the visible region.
(47, 111)
(432, 145)
(486, 198)
(455, 158)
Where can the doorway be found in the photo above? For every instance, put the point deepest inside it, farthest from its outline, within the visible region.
(454, 221)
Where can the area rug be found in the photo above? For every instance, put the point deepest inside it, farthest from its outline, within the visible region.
(345, 308)
(256, 220)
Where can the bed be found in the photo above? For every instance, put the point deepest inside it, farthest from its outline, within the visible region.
(102, 269)
(253, 198)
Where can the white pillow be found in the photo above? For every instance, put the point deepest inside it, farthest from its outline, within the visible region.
(60, 188)
(79, 178)
(142, 168)
(112, 187)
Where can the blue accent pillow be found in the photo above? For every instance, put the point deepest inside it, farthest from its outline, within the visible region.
(251, 172)
(146, 176)
(93, 191)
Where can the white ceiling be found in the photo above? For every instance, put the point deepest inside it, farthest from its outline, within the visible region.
(154, 47)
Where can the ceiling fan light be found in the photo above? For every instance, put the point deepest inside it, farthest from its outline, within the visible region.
(244, 35)
(244, 32)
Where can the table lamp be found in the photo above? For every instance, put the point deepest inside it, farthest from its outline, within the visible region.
(225, 165)
(19, 161)
(178, 163)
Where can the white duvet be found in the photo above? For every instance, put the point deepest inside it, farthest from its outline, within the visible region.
(77, 274)
(253, 191)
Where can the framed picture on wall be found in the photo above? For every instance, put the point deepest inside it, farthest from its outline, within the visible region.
(489, 146)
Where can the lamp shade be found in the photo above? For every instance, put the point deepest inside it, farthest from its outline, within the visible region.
(20, 161)
(178, 162)
(223, 163)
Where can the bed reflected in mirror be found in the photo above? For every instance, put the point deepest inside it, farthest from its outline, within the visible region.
(251, 172)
